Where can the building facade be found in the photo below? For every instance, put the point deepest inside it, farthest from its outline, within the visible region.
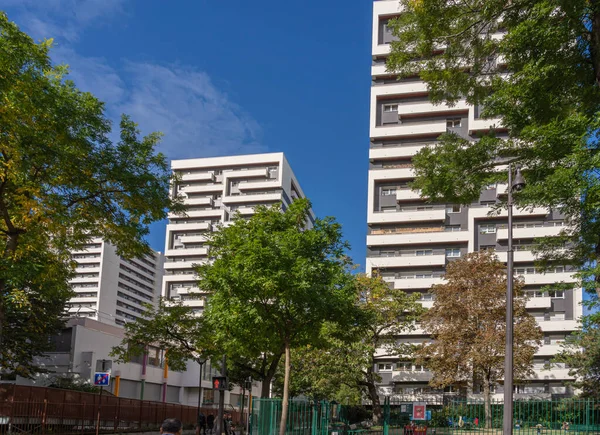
(410, 241)
(110, 288)
(214, 190)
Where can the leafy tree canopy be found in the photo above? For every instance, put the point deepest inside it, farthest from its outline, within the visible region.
(468, 327)
(275, 281)
(533, 67)
(62, 181)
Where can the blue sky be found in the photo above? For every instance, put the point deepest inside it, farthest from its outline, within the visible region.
(231, 77)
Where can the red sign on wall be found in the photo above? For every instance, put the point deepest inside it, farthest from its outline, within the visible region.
(419, 410)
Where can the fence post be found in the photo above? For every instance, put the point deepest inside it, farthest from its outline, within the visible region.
(386, 416)
(141, 405)
(83, 418)
(44, 416)
(117, 414)
(315, 417)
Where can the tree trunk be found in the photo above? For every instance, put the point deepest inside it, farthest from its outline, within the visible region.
(286, 391)
(374, 396)
(265, 389)
(487, 397)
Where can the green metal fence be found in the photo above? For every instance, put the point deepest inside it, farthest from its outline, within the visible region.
(450, 416)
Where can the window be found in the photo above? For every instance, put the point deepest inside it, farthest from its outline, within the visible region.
(487, 229)
(453, 122)
(388, 253)
(388, 191)
(385, 367)
(404, 366)
(423, 275)
(487, 248)
(558, 294)
(487, 203)
(388, 209)
(559, 269)
(424, 208)
(453, 208)
(453, 252)
(452, 228)
(423, 252)
(426, 296)
(388, 108)
(557, 223)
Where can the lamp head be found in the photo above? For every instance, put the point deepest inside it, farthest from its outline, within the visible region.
(519, 182)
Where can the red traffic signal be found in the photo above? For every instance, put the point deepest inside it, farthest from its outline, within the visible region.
(219, 383)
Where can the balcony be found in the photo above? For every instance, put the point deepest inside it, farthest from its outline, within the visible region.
(425, 128)
(396, 89)
(213, 212)
(430, 109)
(193, 239)
(407, 261)
(426, 304)
(549, 278)
(196, 303)
(549, 350)
(256, 185)
(248, 173)
(544, 302)
(409, 216)
(203, 226)
(207, 200)
(263, 197)
(416, 236)
(394, 152)
(407, 195)
(551, 374)
(188, 290)
(519, 256)
(204, 188)
(417, 283)
(479, 212)
(406, 172)
(244, 211)
(187, 252)
(178, 265)
(198, 176)
(407, 376)
(529, 233)
(559, 325)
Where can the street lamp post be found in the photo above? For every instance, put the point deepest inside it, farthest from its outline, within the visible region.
(513, 186)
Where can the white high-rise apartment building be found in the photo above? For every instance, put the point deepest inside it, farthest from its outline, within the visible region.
(214, 189)
(110, 288)
(410, 242)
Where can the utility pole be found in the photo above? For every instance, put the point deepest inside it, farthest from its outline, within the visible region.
(219, 424)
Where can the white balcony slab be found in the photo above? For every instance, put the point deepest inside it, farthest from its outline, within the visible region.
(417, 283)
(427, 304)
(248, 173)
(213, 212)
(408, 195)
(186, 252)
(415, 238)
(519, 256)
(409, 216)
(559, 325)
(549, 278)
(529, 233)
(544, 302)
(203, 188)
(430, 128)
(407, 261)
(178, 265)
(392, 174)
(207, 200)
(549, 349)
(264, 197)
(193, 239)
(256, 185)
(394, 152)
(198, 176)
(399, 88)
(186, 226)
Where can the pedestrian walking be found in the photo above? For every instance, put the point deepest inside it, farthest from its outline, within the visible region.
(210, 422)
(171, 426)
(201, 426)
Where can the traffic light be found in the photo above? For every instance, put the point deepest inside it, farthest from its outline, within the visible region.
(219, 383)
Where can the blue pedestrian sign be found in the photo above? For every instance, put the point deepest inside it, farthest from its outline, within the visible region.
(101, 379)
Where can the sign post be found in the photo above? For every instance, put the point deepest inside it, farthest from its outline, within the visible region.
(101, 379)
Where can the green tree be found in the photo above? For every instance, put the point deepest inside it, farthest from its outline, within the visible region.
(581, 353)
(534, 65)
(62, 181)
(468, 327)
(275, 281)
(171, 326)
(348, 358)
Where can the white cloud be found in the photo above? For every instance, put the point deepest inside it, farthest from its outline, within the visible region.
(197, 118)
(61, 19)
